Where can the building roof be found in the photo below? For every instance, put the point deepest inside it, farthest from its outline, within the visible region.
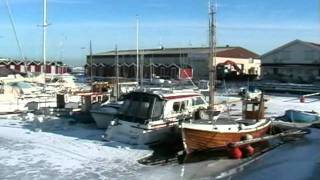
(227, 51)
(133, 64)
(310, 44)
(17, 62)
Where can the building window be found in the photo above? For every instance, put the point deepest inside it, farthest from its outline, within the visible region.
(275, 70)
(176, 107)
(252, 71)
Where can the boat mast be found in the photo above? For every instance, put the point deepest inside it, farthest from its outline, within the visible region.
(117, 72)
(150, 68)
(212, 53)
(91, 63)
(141, 68)
(45, 26)
(137, 73)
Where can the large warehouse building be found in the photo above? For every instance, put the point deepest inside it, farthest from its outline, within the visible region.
(174, 63)
(297, 61)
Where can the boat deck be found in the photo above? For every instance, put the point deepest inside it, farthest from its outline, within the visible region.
(224, 119)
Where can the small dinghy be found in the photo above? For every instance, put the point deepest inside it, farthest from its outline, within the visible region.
(302, 116)
(297, 119)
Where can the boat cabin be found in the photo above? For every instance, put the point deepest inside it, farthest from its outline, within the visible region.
(146, 107)
(254, 108)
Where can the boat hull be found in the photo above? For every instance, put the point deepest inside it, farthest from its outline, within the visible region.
(290, 125)
(134, 134)
(199, 140)
(102, 119)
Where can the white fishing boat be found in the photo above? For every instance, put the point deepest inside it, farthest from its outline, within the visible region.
(152, 116)
(17, 93)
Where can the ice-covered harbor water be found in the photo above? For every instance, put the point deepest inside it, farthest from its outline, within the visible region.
(65, 151)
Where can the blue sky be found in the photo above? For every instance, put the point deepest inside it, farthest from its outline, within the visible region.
(258, 25)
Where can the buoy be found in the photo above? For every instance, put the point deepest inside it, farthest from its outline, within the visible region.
(248, 137)
(235, 153)
(248, 151)
(302, 99)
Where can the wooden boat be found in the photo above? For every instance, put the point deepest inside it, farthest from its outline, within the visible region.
(205, 134)
(216, 133)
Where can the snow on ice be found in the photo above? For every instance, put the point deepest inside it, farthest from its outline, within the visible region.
(58, 150)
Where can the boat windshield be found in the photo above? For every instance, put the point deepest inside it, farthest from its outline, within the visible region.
(22, 85)
(139, 107)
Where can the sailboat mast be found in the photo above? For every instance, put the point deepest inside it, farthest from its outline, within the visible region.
(45, 26)
(141, 68)
(91, 63)
(117, 72)
(150, 68)
(212, 52)
(137, 73)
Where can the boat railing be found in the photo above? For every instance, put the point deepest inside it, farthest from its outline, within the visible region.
(167, 90)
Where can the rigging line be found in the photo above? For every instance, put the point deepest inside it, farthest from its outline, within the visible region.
(183, 69)
(6, 3)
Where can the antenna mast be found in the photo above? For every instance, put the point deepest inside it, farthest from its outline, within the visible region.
(212, 52)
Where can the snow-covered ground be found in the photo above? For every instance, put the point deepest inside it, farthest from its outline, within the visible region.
(71, 152)
(59, 150)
